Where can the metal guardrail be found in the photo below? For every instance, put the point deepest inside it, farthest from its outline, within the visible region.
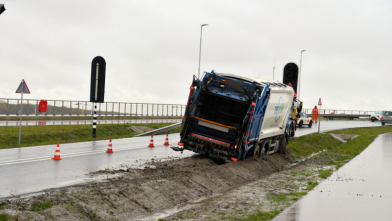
(334, 111)
(160, 130)
(348, 116)
(11, 107)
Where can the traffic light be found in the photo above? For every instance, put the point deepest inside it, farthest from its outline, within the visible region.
(97, 86)
(290, 75)
(2, 9)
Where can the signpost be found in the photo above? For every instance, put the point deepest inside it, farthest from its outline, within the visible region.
(97, 86)
(22, 89)
(319, 103)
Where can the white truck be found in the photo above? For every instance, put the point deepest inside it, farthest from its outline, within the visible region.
(231, 117)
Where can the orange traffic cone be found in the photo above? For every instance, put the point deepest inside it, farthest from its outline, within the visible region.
(57, 153)
(110, 150)
(151, 142)
(166, 141)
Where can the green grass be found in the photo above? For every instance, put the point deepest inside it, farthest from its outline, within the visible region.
(299, 193)
(278, 198)
(262, 215)
(311, 185)
(337, 153)
(313, 143)
(325, 173)
(71, 208)
(3, 204)
(38, 206)
(4, 217)
(45, 135)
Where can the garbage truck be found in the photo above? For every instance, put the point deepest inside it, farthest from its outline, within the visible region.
(231, 117)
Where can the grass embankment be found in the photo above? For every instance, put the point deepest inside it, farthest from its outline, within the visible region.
(45, 135)
(335, 155)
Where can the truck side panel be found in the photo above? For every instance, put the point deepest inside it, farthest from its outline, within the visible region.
(275, 118)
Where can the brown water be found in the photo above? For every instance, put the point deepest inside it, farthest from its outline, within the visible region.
(360, 190)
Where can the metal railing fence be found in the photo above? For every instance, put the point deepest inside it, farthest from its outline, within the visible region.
(331, 111)
(11, 107)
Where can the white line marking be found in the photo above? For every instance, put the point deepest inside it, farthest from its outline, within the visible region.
(27, 160)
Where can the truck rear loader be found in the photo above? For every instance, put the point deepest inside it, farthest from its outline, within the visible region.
(231, 117)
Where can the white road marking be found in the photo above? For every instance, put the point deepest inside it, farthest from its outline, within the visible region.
(28, 160)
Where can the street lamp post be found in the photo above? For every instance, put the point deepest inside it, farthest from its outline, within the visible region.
(2, 8)
(201, 31)
(299, 81)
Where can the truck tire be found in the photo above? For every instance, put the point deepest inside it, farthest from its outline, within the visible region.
(310, 124)
(382, 123)
(300, 123)
(256, 151)
(283, 145)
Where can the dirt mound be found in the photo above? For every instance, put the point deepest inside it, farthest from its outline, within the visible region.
(139, 129)
(137, 193)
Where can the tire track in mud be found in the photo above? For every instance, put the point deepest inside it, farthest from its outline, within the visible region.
(160, 186)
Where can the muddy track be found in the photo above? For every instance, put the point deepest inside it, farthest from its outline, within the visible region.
(138, 193)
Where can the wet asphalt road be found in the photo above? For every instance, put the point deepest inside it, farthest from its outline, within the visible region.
(84, 122)
(360, 190)
(30, 169)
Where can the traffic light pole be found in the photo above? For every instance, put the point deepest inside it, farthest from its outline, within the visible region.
(95, 121)
(97, 87)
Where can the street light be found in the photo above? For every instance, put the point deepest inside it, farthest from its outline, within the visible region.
(299, 81)
(2, 9)
(201, 31)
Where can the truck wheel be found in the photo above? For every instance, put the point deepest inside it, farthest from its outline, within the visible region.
(382, 123)
(372, 120)
(300, 123)
(310, 124)
(283, 145)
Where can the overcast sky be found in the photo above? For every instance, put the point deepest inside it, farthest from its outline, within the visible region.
(151, 48)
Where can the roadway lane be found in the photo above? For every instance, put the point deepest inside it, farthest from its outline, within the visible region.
(84, 122)
(329, 125)
(30, 169)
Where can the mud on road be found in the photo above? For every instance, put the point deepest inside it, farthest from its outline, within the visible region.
(195, 188)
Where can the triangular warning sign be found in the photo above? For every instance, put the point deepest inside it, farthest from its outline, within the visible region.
(23, 87)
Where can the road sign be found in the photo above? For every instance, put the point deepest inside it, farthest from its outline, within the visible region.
(319, 103)
(23, 88)
(97, 86)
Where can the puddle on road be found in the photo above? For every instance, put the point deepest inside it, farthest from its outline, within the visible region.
(360, 190)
